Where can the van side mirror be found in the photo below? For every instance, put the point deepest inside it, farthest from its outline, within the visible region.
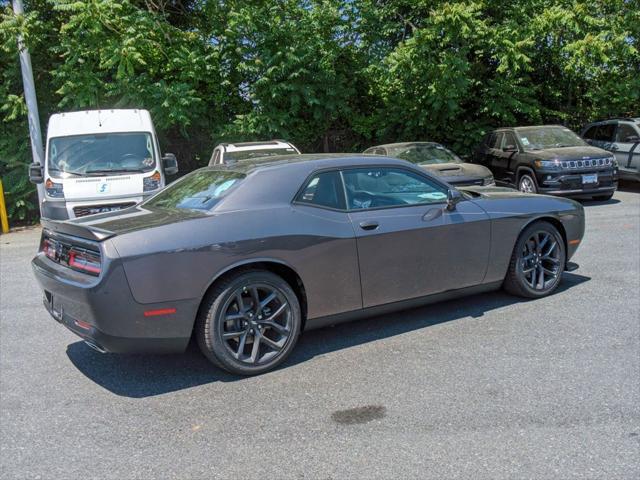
(36, 174)
(453, 197)
(170, 164)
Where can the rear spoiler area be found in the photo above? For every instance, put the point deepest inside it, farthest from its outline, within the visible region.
(76, 230)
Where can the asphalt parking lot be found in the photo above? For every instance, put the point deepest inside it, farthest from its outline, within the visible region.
(485, 387)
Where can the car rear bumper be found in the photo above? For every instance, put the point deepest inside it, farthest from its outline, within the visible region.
(102, 311)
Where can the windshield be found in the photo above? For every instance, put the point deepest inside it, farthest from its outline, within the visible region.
(250, 154)
(101, 154)
(421, 154)
(199, 190)
(548, 137)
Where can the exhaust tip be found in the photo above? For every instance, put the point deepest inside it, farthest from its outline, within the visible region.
(96, 347)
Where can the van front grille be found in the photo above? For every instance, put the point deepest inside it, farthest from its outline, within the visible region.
(83, 211)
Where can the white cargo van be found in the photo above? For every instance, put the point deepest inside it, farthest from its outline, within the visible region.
(98, 161)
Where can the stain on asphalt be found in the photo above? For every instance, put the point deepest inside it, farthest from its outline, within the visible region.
(358, 415)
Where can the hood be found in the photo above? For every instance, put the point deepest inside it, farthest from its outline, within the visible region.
(457, 170)
(495, 192)
(570, 153)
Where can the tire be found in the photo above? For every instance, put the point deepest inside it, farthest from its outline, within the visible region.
(603, 198)
(227, 331)
(527, 183)
(520, 279)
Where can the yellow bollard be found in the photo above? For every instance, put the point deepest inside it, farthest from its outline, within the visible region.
(3, 211)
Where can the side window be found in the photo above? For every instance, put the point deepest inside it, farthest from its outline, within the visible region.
(323, 190)
(590, 133)
(509, 141)
(496, 140)
(377, 187)
(625, 131)
(605, 133)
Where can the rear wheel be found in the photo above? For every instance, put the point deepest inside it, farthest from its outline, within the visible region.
(527, 183)
(249, 323)
(537, 262)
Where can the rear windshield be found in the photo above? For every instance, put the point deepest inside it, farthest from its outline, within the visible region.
(250, 154)
(199, 190)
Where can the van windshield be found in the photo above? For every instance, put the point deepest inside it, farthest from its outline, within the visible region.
(101, 154)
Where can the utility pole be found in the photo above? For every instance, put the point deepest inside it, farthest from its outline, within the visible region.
(30, 99)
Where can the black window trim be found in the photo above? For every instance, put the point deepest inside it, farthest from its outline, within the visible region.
(340, 170)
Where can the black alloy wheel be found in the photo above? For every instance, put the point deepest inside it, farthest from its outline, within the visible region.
(250, 322)
(537, 262)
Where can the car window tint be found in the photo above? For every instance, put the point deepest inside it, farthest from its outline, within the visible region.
(389, 187)
(496, 140)
(324, 190)
(625, 131)
(199, 190)
(604, 133)
(509, 141)
(590, 133)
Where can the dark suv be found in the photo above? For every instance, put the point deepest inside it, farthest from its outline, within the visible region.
(548, 159)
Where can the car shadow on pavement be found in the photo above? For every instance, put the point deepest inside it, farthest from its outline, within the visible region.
(139, 376)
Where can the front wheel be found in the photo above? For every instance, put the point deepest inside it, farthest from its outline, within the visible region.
(537, 262)
(527, 184)
(249, 322)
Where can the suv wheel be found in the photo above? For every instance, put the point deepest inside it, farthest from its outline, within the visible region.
(249, 323)
(527, 183)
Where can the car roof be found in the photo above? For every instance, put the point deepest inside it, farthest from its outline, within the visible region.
(311, 162)
(528, 127)
(403, 144)
(266, 145)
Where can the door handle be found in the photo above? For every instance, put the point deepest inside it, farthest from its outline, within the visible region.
(369, 225)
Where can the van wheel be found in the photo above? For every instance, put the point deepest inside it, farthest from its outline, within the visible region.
(537, 262)
(527, 183)
(249, 323)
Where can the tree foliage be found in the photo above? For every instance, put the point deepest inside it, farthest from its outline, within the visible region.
(329, 75)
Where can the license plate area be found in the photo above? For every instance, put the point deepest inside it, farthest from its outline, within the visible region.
(590, 179)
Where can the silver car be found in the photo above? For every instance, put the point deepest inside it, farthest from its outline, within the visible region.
(621, 136)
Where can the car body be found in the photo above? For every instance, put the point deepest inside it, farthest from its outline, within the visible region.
(548, 159)
(437, 160)
(100, 160)
(620, 136)
(225, 153)
(350, 235)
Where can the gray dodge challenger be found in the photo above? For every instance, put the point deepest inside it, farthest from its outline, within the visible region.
(245, 257)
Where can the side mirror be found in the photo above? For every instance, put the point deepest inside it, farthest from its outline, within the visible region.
(36, 174)
(632, 139)
(170, 164)
(510, 148)
(453, 197)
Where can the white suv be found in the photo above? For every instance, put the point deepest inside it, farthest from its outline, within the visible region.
(621, 136)
(234, 152)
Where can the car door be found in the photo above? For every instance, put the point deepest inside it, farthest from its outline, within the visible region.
(502, 158)
(409, 244)
(627, 148)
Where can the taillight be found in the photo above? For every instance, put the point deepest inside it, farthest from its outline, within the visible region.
(84, 261)
(54, 189)
(152, 182)
(49, 249)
